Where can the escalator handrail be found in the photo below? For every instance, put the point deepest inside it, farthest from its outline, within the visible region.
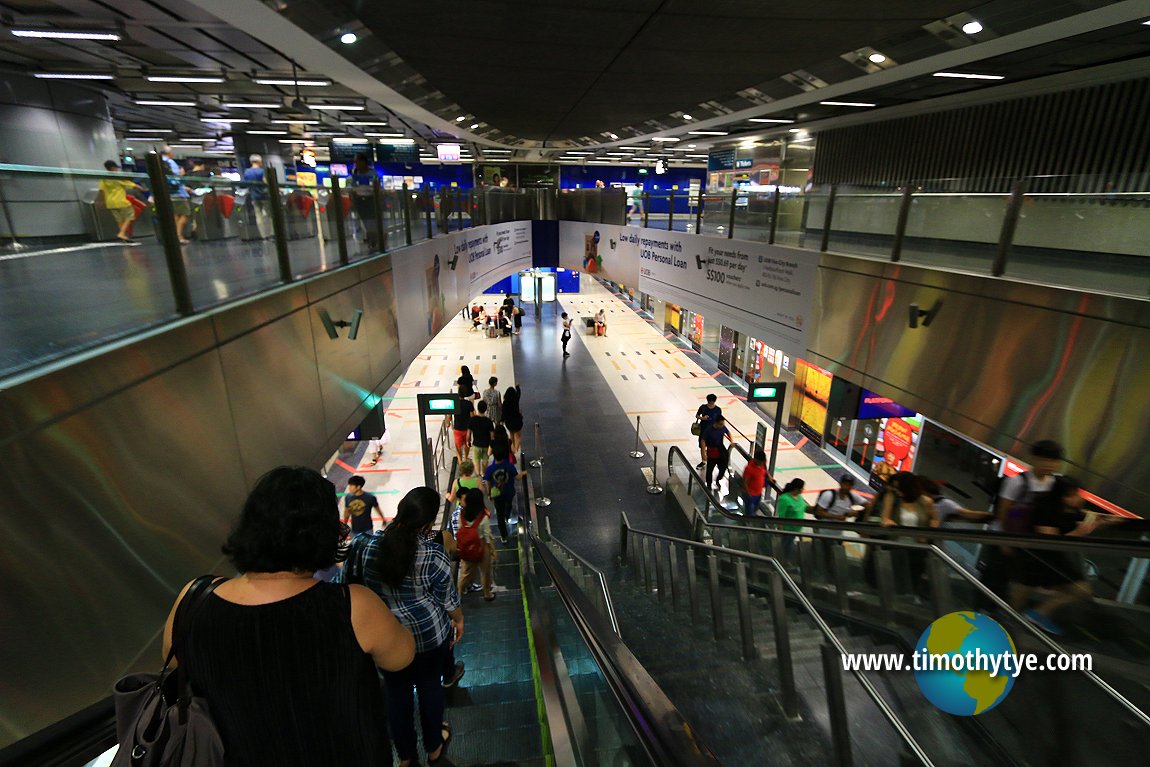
(599, 576)
(816, 618)
(978, 585)
(662, 731)
(1140, 549)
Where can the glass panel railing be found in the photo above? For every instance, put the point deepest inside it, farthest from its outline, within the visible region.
(1092, 241)
(67, 279)
(864, 222)
(954, 230)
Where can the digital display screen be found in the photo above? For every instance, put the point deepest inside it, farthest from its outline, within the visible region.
(763, 393)
(447, 152)
(441, 405)
(339, 169)
(873, 405)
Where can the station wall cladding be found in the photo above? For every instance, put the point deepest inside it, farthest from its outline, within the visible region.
(125, 468)
(1006, 363)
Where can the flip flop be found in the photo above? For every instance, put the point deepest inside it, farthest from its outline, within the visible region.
(445, 733)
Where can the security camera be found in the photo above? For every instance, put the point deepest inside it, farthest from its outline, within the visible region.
(927, 316)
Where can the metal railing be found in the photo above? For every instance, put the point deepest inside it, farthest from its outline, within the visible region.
(600, 593)
(659, 729)
(781, 586)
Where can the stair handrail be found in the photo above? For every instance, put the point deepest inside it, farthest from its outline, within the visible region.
(979, 586)
(599, 576)
(816, 617)
(1139, 549)
(661, 729)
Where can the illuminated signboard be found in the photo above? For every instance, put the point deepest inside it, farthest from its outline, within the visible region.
(765, 392)
(441, 405)
(873, 405)
(447, 152)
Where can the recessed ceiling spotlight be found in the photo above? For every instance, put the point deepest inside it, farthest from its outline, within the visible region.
(473, 126)
(613, 136)
(461, 118)
(688, 117)
(876, 58)
(347, 38)
(863, 104)
(63, 34)
(974, 27)
(691, 146)
(967, 76)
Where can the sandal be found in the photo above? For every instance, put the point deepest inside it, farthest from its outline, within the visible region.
(445, 733)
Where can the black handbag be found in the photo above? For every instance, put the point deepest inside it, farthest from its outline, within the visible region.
(159, 720)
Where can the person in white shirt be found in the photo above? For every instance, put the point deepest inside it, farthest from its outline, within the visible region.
(1046, 459)
(839, 505)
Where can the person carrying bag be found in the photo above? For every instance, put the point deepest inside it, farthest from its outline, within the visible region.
(160, 722)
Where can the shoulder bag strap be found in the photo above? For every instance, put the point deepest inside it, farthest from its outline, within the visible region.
(181, 625)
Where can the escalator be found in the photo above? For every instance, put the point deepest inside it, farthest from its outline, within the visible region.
(862, 586)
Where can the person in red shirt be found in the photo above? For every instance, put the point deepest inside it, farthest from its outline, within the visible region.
(754, 480)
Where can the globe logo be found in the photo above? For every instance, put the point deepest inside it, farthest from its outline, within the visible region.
(974, 647)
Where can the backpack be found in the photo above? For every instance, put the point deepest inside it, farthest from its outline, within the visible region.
(499, 479)
(468, 545)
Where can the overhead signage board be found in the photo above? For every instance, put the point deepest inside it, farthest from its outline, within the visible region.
(744, 162)
(766, 392)
(721, 159)
(873, 405)
(447, 152)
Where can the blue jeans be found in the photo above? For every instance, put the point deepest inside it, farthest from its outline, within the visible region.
(425, 675)
(751, 504)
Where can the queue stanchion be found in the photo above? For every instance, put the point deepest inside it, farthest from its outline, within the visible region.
(541, 499)
(654, 488)
(537, 461)
(637, 453)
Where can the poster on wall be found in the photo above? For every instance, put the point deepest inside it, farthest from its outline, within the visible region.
(428, 289)
(604, 250)
(812, 392)
(895, 448)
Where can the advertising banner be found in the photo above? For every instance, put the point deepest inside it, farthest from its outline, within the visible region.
(605, 250)
(762, 290)
(429, 292)
(895, 448)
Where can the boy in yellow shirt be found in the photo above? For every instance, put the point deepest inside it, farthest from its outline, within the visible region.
(116, 201)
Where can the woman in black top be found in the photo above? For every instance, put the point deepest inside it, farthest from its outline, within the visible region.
(466, 383)
(513, 416)
(288, 663)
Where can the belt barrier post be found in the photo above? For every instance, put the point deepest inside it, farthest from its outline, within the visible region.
(637, 453)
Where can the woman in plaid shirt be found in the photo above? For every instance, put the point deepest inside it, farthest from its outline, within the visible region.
(413, 576)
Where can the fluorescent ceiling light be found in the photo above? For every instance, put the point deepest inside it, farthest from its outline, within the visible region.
(183, 79)
(60, 34)
(164, 103)
(974, 27)
(343, 139)
(224, 120)
(769, 120)
(474, 126)
(573, 152)
(497, 151)
(347, 38)
(379, 123)
(288, 81)
(296, 122)
(250, 105)
(697, 155)
(688, 117)
(201, 140)
(144, 138)
(707, 132)
(876, 58)
(691, 146)
(294, 141)
(397, 141)
(666, 139)
(383, 135)
(617, 154)
(266, 132)
(70, 76)
(967, 76)
(150, 130)
(339, 107)
(863, 104)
